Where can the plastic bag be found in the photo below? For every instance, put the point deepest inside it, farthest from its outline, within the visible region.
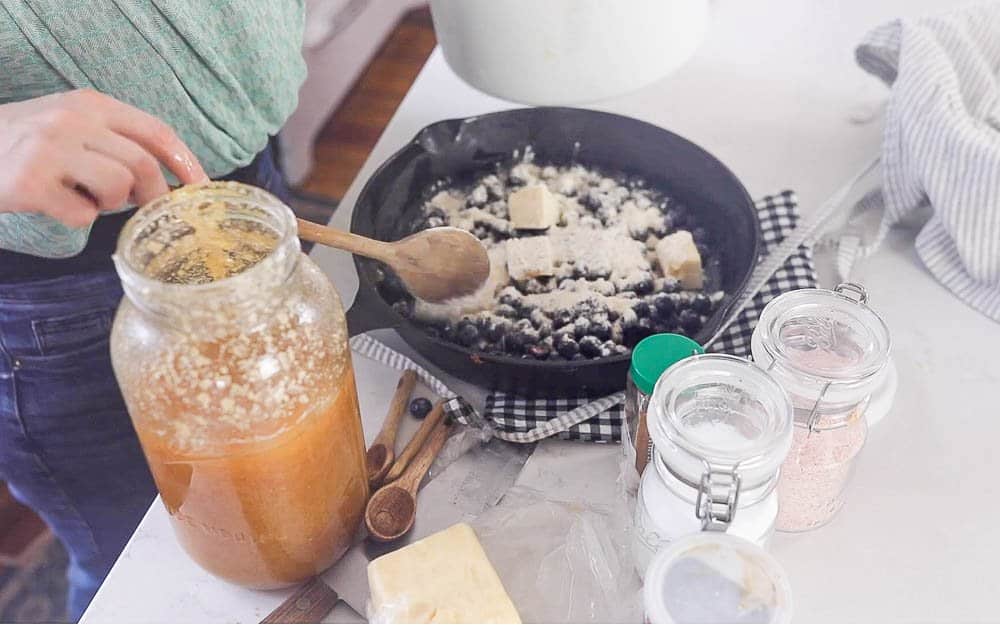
(562, 561)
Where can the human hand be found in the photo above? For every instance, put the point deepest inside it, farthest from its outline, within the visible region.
(70, 155)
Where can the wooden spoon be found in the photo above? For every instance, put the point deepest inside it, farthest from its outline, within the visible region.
(391, 510)
(382, 452)
(416, 443)
(436, 264)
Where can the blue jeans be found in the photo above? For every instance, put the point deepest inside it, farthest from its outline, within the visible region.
(67, 446)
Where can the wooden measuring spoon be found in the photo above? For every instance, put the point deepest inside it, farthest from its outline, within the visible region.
(393, 508)
(416, 443)
(436, 264)
(382, 453)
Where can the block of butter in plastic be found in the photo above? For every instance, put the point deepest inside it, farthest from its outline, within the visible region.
(444, 578)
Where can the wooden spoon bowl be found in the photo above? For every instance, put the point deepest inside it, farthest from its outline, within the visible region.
(382, 454)
(392, 510)
(436, 265)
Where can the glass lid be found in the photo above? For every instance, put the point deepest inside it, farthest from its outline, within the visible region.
(832, 335)
(714, 411)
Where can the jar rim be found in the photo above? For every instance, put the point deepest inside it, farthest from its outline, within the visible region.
(825, 309)
(280, 261)
(764, 428)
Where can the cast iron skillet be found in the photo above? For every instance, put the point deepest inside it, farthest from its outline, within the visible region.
(390, 204)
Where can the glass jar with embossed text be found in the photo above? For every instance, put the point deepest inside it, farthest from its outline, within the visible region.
(830, 351)
(231, 351)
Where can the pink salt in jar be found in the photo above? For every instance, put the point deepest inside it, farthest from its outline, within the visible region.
(829, 351)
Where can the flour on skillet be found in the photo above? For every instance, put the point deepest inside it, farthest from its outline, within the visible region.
(605, 291)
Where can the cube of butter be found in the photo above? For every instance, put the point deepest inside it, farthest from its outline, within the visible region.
(679, 258)
(444, 578)
(530, 257)
(533, 208)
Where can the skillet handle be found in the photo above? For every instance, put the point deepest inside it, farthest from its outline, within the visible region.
(368, 312)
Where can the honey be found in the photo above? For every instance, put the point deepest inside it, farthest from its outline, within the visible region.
(231, 352)
(272, 513)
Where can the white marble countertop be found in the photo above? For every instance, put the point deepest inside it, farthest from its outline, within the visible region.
(772, 93)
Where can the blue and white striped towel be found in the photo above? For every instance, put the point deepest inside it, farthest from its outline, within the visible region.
(941, 145)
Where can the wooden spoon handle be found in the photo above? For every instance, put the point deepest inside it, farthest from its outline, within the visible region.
(310, 603)
(404, 459)
(346, 241)
(410, 480)
(397, 408)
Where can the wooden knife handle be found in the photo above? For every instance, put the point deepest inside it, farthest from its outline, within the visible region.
(310, 603)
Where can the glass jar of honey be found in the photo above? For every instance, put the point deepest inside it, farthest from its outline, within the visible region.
(231, 351)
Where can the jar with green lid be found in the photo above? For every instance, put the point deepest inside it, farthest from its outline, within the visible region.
(650, 358)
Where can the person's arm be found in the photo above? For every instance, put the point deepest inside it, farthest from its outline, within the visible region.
(70, 155)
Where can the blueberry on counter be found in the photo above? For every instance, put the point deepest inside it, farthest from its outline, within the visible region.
(590, 346)
(420, 407)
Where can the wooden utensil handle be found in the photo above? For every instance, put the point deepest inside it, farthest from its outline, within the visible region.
(341, 240)
(397, 408)
(410, 480)
(404, 459)
(310, 603)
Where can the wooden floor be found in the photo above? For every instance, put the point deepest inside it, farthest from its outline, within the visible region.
(351, 133)
(341, 150)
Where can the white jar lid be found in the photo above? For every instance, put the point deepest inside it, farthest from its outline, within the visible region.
(712, 577)
(716, 411)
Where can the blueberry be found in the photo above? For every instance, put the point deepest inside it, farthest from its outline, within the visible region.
(419, 407)
(510, 299)
(644, 286)
(701, 304)
(608, 349)
(481, 232)
(671, 285)
(601, 330)
(448, 331)
(567, 346)
(620, 350)
(581, 327)
(522, 339)
(523, 325)
(495, 330)
(634, 333)
(539, 351)
(562, 317)
(539, 319)
(590, 346)
(505, 310)
(689, 320)
(467, 333)
(664, 305)
(641, 308)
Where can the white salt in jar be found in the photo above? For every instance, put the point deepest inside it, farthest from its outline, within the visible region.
(721, 428)
(830, 351)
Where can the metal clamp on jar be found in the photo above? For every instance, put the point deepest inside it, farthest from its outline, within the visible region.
(721, 427)
(830, 352)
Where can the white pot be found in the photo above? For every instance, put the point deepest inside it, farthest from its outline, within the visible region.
(566, 51)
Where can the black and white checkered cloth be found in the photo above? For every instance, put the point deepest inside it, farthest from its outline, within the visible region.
(521, 420)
